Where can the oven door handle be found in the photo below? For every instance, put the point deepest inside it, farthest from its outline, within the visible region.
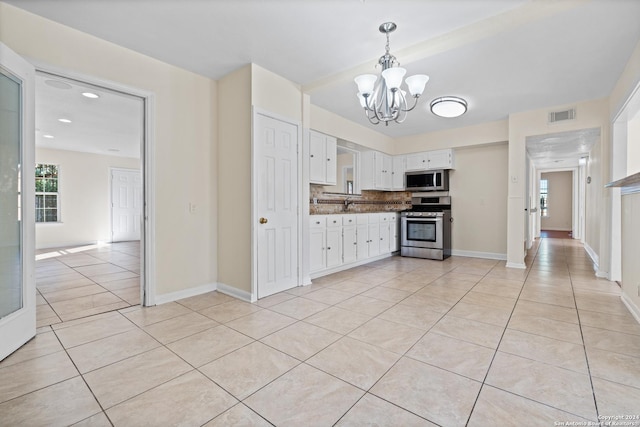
(426, 218)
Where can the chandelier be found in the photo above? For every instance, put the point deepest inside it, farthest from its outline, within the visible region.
(382, 99)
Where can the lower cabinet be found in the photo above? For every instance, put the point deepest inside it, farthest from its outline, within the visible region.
(341, 240)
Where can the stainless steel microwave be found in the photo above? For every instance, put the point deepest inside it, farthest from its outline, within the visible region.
(431, 180)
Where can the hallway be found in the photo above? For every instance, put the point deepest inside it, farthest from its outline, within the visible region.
(401, 341)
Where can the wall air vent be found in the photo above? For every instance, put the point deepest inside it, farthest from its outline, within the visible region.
(561, 116)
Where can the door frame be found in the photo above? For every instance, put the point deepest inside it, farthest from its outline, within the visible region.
(147, 157)
(255, 111)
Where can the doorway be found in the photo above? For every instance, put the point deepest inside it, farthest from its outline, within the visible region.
(100, 127)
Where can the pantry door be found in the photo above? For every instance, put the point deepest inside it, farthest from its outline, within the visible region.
(17, 202)
(276, 153)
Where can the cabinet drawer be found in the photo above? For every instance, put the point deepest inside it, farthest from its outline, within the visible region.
(362, 219)
(374, 218)
(334, 220)
(385, 217)
(317, 221)
(349, 220)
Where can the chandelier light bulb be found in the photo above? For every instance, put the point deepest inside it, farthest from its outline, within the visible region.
(365, 83)
(393, 77)
(416, 84)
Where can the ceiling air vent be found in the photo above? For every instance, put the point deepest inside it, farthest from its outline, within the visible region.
(560, 116)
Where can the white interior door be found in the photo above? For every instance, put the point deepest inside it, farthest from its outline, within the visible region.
(276, 148)
(126, 204)
(17, 202)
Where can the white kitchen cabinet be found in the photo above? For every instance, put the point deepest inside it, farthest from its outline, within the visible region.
(317, 244)
(349, 243)
(338, 241)
(416, 161)
(375, 171)
(323, 153)
(440, 159)
(394, 231)
(437, 159)
(397, 172)
(334, 240)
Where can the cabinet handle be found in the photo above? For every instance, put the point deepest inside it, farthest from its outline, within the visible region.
(329, 248)
(328, 160)
(311, 155)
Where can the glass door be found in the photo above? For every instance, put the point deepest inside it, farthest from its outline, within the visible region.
(17, 283)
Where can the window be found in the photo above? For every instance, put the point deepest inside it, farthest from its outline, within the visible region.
(544, 194)
(47, 200)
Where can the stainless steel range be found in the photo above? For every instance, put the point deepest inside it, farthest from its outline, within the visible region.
(426, 228)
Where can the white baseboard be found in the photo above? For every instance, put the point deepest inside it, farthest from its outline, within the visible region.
(520, 265)
(185, 293)
(593, 255)
(633, 309)
(235, 292)
(475, 254)
(343, 267)
(555, 229)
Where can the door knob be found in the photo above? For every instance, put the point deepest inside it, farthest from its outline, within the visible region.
(263, 220)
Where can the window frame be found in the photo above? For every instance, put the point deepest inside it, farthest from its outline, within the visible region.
(47, 194)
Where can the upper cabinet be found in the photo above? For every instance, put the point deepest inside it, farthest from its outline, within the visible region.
(437, 159)
(376, 168)
(397, 174)
(322, 158)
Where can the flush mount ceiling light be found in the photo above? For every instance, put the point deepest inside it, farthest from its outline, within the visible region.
(90, 95)
(449, 106)
(382, 98)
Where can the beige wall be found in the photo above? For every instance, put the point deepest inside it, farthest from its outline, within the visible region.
(560, 198)
(183, 137)
(334, 125)
(485, 133)
(234, 179)
(85, 197)
(478, 189)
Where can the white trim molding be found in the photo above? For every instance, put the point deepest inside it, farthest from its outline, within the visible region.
(593, 255)
(633, 309)
(476, 254)
(520, 265)
(185, 293)
(235, 292)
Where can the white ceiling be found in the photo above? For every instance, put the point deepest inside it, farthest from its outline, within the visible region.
(502, 56)
(561, 150)
(109, 125)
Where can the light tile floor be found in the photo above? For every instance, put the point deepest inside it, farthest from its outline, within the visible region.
(75, 282)
(399, 342)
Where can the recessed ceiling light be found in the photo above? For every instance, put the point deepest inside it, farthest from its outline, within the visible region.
(64, 120)
(46, 135)
(90, 95)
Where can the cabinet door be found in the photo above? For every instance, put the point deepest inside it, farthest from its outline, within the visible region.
(317, 252)
(387, 167)
(440, 159)
(317, 158)
(362, 239)
(374, 240)
(331, 156)
(385, 235)
(334, 246)
(349, 244)
(367, 170)
(417, 161)
(397, 172)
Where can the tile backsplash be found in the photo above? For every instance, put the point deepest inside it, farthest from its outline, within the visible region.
(369, 201)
